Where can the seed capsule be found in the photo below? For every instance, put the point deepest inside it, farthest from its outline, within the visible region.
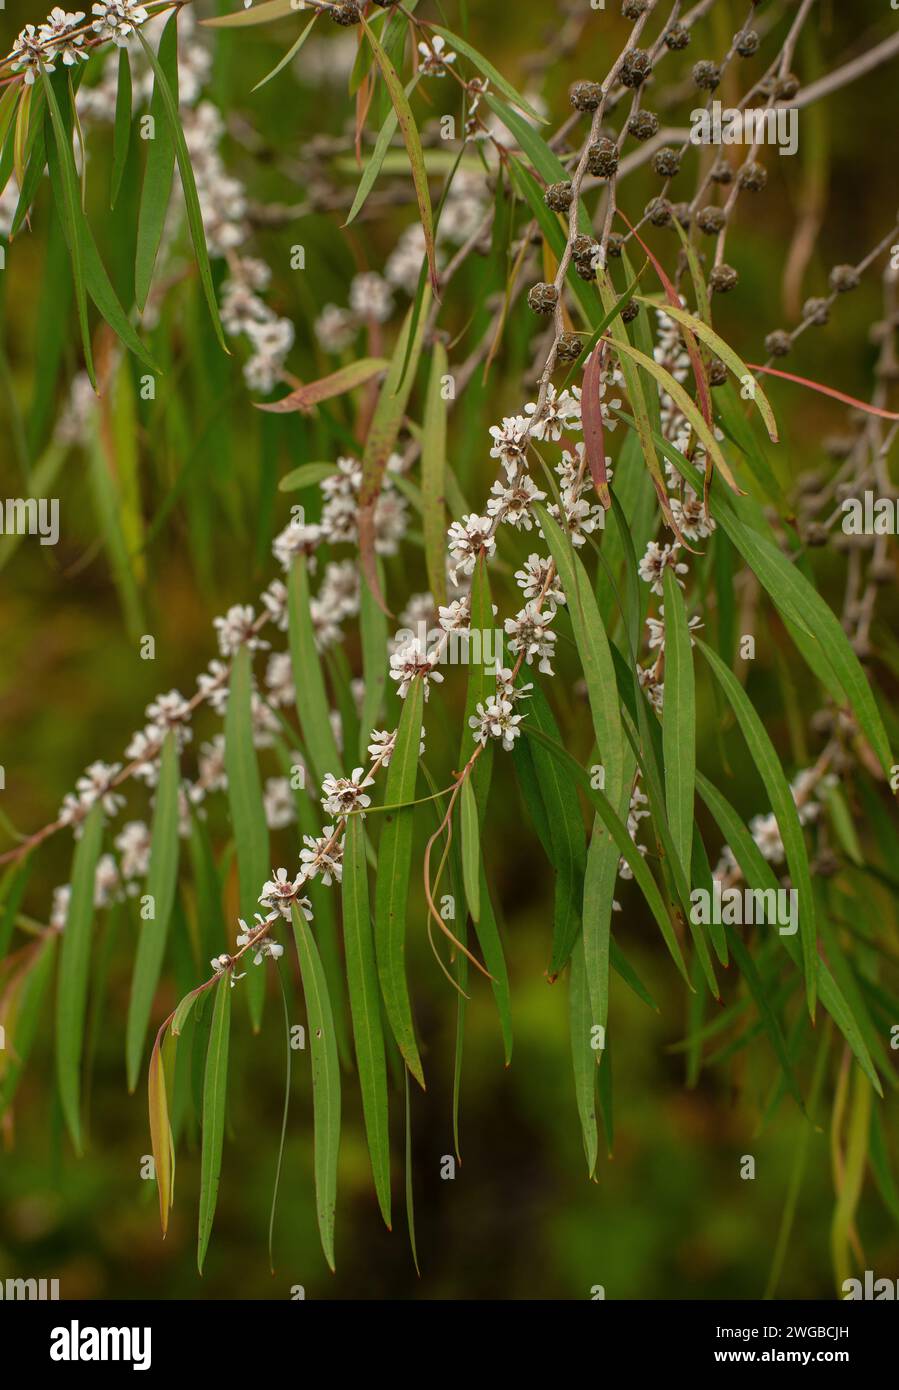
(723, 279)
(543, 298)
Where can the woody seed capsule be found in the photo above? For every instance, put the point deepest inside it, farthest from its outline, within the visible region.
(666, 162)
(752, 176)
(643, 125)
(722, 279)
(717, 372)
(677, 36)
(721, 172)
(658, 210)
(706, 75)
(630, 311)
(543, 298)
(844, 278)
(710, 219)
(746, 43)
(586, 96)
(636, 65)
(558, 196)
(346, 12)
(817, 311)
(778, 343)
(569, 347)
(602, 158)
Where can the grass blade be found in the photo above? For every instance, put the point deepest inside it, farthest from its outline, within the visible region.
(160, 167)
(215, 1083)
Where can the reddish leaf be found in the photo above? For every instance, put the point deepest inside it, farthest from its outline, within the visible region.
(309, 394)
(826, 391)
(591, 418)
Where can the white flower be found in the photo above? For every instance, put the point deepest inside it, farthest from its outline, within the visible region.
(405, 260)
(433, 57)
(278, 801)
(560, 412)
(31, 50)
(213, 686)
(580, 517)
(297, 538)
(274, 600)
(279, 679)
(171, 711)
(60, 908)
(766, 833)
(506, 688)
(655, 689)
(413, 661)
(512, 503)
(144, 751)
(534, 578)
(222, 963)
(265, 946)
(382, 745)
(95, 784)
(57, 33)
(133, 844)
(496, 719)
(370, 297)
(347, 480)
(280, 892)
(321, 856)
(466, 539)
(343, 795)
(529, 633)
(236, 629)
(335, 328)
(653, 564)
(657, 629)
(691, 516)
(211, 762)
(510, 442)
(391, 521)
(117, 20)
(455, 616)
(107, 883)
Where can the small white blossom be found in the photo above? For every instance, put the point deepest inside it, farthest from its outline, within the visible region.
(496, 719)
(534, 580)
(466, 539)
(413, 661)
(277, 798)
(323, 855)
(343, 795)
(653, 564)
(280, 892)
(236, 629)
(528, 632)
(370, 297)
(435, 56)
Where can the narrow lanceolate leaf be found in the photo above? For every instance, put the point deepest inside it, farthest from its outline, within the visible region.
(291, 53)
(433, 469)
(373, 632)
(471, 849)
(383, 432)
(189, 188)
(70, 211)
(215, 1086)
(727, 355)
(618, 830)
(582, 1054)
(373, 167)
(487, 70)
(325, 1081)
(679, 723)
(594, 434)
(121, 136)
(247, 807)
(81, 244)
(161, 882)
(327, 387)
(161, 1140)
(413, 147)
(602, 690)
(74, 962)
(365, 1007)
(311, 694)
(259, 14)
(392, 885)
(782, 804)
(20, 1014)
(160, 167)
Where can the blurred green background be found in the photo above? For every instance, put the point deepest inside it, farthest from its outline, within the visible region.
(670, 1216)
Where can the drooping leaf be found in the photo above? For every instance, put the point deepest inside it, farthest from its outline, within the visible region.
(471, 849)
(365, 1006)
(161, 882)
(325, 1080)
(313, 709)
(245, 802)
(121, 135)
(679, 722)
(392, 885)
(74, 965)
(215, 1085)
(161, 1139)
(433, 468)
(347, 378)
(160, 167)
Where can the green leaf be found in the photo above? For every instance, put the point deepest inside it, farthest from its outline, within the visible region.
(313, 710)
(215, 1085)
(487, 70)
(337, 383)
(373, 634)
(306, 476)
(582, 1054)
(70, 210)
(161, 1138)
(782, 804)
(373, 167)
(121, 135)
(74, 963)
(247, 807)
(679, 721)
(325, 1081)
(291, 53)
(413, 145)
(392, 885)
(471, 849)
(259, 14)
(725, 352)
(160, 167)
(161, 883)
(20, 1016)
(189, 187)
(433, 470)
(365, 1006)
(617, 828)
